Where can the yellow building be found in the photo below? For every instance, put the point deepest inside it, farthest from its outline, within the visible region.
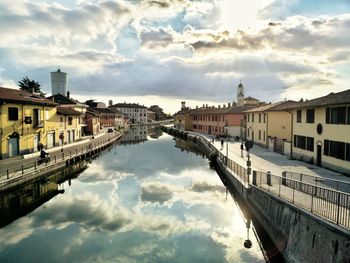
(271, 126)
(67, 102)
(182, 118)
(321, 131)
(69, 125)
(26, 120)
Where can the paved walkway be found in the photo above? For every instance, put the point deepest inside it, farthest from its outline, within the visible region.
(16, 163)
(265, 160)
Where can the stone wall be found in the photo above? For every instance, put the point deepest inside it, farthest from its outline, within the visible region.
(299, 235)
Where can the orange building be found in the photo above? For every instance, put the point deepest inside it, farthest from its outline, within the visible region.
(220, 121)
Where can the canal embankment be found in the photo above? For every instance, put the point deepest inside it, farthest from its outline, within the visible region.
(307, 222)
(18, 171)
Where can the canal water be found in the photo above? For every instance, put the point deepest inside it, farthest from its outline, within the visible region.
(147, 199)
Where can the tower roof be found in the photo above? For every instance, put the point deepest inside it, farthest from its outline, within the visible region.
(240, 85)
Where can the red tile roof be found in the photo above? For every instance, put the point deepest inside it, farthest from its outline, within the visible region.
(23, 97)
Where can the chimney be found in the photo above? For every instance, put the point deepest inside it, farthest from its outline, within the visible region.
(203, 105)
(224, 105)
(229, 104)
(206, 105)
(68, 94)
(110, 102)
(183, 105)
(196, 106)
(219, 106)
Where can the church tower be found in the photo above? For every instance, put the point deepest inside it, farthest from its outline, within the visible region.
(240, 95)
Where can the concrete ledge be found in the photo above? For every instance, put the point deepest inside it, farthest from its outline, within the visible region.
(57, 148)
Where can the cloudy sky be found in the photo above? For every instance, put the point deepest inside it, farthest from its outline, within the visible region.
(165, 51)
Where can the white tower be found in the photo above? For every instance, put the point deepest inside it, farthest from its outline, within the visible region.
(240, 95)
(59, 81)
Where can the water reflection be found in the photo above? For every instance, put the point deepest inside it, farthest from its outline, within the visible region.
(146, 202)
(23, 199)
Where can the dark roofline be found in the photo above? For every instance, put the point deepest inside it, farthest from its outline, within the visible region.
(23, 97)
(332, 99)
(127, 105)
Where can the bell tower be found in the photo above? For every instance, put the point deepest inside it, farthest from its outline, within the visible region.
(240, 94)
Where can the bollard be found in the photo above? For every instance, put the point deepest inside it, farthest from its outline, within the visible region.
(8, 174)
(34, 165)
(22, 169)
(70, 153)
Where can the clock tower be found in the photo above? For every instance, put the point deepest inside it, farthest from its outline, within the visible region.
(240, 95)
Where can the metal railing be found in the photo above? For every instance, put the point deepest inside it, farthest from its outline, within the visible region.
(325, 202)
(319, 197)
(31, 170)
(338, 185)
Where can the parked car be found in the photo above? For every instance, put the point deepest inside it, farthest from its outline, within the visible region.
(110, 130)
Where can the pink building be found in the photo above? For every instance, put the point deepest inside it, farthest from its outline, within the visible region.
(218, 120)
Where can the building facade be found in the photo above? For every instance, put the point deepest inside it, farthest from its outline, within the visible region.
(93, 120)
(69, 103)
(26, 120)
(321, 131)
(221, 121)
(70, 129)
(135, 112)
(270, 126)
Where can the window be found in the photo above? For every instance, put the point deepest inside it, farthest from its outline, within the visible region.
(310, 144)
(310, 115)
(303, 142)
(259, 133)
(248, 117)
(348, 114)
(348, 152)
(264, 135)
(259, 117)
(194, 126)
(252, 117)
(248, 132)
(46, 115)
(13, 114)
(264, 118)
(37, 121)
(298, 116)
(336, 149)
(70, 120)
(336, 115)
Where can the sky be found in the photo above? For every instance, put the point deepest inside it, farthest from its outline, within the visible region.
(167, 51)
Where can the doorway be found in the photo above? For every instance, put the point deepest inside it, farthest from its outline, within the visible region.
(319, 155)
(14, 145)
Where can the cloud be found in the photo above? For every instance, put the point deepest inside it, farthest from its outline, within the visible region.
(204, 187)
(280, 9)
(87, 210)
(156, 193)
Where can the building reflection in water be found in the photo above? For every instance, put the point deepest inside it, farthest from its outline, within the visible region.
(138, 134)
(135, 135)
(267, 248)
(25, 198)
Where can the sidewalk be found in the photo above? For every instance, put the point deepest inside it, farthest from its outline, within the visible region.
(28, 160)
(265, 160)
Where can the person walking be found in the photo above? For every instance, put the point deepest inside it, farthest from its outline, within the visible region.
(222, 144)
(242, 147)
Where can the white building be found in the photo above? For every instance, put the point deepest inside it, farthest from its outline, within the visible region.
(135, 112)
(59, 82)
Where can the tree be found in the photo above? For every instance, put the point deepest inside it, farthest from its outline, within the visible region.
(30, 85)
